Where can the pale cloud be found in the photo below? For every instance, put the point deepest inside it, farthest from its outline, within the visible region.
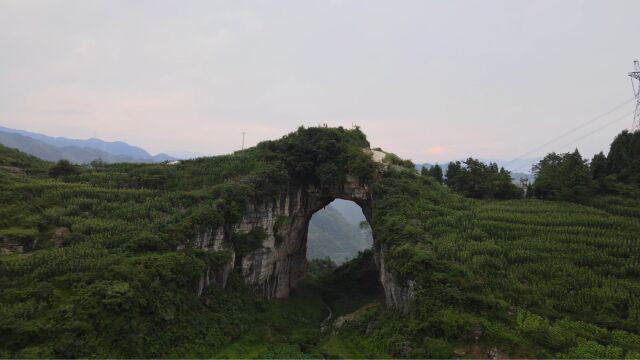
(457, 78)
(437, 150)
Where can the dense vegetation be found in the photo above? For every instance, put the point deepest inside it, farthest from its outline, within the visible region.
(475, 179)
(101, 276)
(569, 177)
(535, 279)
(14, 161)
(435, 171)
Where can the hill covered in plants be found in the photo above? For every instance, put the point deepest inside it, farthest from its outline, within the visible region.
(99, 261)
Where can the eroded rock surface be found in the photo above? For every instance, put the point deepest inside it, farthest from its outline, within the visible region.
(397, 292)
(280, 263)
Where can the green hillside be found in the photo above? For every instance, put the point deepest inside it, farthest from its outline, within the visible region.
(100, 275)
(539, 279)
(15, 161)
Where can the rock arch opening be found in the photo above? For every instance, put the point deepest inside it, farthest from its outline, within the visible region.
(278, 262)
(340, 259)
(339, 231)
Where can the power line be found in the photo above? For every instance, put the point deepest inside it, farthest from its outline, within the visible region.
(589, 122)
(596, 130)
(587, 134)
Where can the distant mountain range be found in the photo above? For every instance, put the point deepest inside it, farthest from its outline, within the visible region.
(349, 210)
(77, 151)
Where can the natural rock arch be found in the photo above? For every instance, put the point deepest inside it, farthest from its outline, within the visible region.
(279, 264)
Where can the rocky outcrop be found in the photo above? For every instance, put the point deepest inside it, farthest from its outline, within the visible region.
(280, 263)
(355, 316)
(214, 241)
(60, 235)
(397, 292)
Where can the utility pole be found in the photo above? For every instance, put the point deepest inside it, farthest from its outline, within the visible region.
(243, 140)
(635, 83)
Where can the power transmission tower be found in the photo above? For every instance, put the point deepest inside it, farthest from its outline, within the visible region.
(635, 78)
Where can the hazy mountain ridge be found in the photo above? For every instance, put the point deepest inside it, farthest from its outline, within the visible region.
(332, 235)
(77, 151)
(349, 210)
(49, 152)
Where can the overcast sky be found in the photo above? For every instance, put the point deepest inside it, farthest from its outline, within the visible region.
(429, 80)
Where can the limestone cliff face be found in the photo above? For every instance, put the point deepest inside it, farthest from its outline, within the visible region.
(214, 242)
(397, 292)
(280, 263)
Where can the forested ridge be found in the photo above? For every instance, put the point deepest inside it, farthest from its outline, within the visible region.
(108, 268)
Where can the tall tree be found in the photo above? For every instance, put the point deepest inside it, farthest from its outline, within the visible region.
(619, 155)
(436, 172)
(623, 159)
(563, 177)
(453, 173)
(529, 191)
(598, 166)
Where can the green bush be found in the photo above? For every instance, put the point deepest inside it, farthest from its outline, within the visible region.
(436, 349)
(63, 168)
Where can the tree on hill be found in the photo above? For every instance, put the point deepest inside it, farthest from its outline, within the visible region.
(476, 179)
(569, 177)
(323, 156)
(598, 166)
(623, 159)
(530, 191)
(435, 172)
(454, 172)
(63, 168)
(563, 177)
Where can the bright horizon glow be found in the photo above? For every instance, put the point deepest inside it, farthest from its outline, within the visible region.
(429, 81)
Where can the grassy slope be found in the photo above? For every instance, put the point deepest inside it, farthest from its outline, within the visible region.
(537, 278)
(15, 158)
(116, 287)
